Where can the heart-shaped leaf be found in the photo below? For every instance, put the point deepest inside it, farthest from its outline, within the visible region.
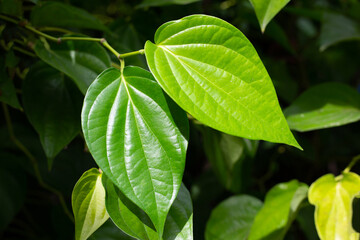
(213, 72)
(53, 105)
(88, 202)
(133, 137)
(80, 60)
(232, 218)
(326, 105)
(135, 222)
(333, 199)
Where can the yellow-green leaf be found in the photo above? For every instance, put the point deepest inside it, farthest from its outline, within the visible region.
(333, 197)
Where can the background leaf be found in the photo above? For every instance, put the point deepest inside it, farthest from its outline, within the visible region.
(232, 218)
(326, 105)
(88, 202)
(80, 60)
(7, 88)
(279, 210)
(52, 104)
(109, 231)
(157, 3)
(213, 72)
(132, 136)
(66, 16)
(333, 199)
(266, 10)
(337, 28)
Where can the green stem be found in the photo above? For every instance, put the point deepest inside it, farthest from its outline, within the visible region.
(24, 51)
(352, 163)
(142, 52)
(34, 163)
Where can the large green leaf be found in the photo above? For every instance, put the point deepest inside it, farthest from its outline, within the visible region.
(226, 154)
(132, 136)
(213, 72)
(326, 105)
(109, 231)
(333, 199)
(88, 202)
(136, 223)
(52, 104)
(232, 218)
(157, 3)
(337, 28)
(7, 88)
(66, 16)
(266, 10)
(279, 210)
(80, 60)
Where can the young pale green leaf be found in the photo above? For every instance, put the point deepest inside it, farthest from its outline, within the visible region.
(136, 223)
(279, 210)
(158, 3)
(326, 105)
(52, 104)
(88, 203)
(80, 60)
(213, 72)
(266, 10)
(333, 199)
(66, 16)
(232, 218)
(133, 137)
(337, 28)
(7, 88)
(226, 154)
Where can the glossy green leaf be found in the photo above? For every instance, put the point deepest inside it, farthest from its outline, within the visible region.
(132, 136)
(279, 210)
(7, 88)
(88, 203)
(66, 16)
(52, 104)
(333, 199)
(158, 3)
(232, 218)
(213, 72)
(266, 10)
(82, 61)
(326, 105)
(136, 223)
(226, 154)
(337, 28)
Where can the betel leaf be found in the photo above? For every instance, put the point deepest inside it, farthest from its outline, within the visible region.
(326, 105)
(52, 104)
(333, 199)
(337, 28)
(82, 61)
(132, 136)
(158, 3)
(213, 72)
(88, 203)
(7, 88)
(109, 231)
(279, 210)
(232, 218)
(266, 10)
(136, 223)
(66, 16)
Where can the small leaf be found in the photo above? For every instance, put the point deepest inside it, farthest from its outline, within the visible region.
(279, 210)
(232, 218)
(7, 88)
(133, 138)
(52, 104)
(333, 199)
(88, 202)
(158, 3)
(326, 105)
(66, 16)
(337, 28)
(213, 72)
(266, 10)
(133, 221)
(80, 60)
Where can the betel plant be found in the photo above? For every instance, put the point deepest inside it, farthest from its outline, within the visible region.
(135, 124)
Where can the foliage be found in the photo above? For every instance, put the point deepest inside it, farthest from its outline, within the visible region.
(186, 143)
